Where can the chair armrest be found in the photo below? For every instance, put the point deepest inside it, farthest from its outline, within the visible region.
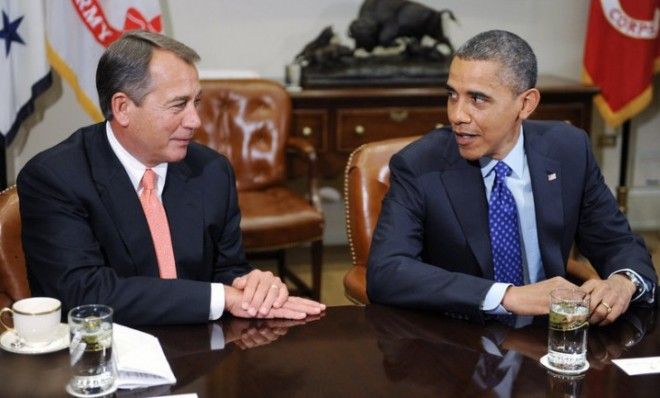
(306, 151)
(581, 271)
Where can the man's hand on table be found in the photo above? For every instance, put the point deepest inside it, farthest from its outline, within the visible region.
(292, 308)
(609, 298)
(261, 291)
(533, 299)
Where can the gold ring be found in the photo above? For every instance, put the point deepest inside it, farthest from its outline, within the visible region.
(609, 309)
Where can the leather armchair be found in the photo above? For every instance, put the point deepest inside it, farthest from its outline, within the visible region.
(13, 275)
(248, 121)
(366, 180)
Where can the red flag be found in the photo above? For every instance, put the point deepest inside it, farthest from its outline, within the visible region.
(622, 52)
(657, 55)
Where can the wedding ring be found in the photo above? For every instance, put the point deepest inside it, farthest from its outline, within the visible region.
(274, 286)
(609, 309)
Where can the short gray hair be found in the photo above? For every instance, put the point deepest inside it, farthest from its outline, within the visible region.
(515, 54)
(124, 66)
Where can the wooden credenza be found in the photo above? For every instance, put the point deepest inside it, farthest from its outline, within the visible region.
(339, 120)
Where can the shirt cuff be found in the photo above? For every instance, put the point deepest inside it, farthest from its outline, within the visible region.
(646, 286)
(492, 303)
(217, 301)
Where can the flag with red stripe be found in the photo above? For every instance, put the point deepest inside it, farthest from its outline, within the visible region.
(622, 52)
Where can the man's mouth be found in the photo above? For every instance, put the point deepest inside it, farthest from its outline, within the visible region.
(182, 139)
(465, 138)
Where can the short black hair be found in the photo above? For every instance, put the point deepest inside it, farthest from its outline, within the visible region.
(515, 54)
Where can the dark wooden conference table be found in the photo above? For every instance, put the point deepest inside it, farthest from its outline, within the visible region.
(371, 351)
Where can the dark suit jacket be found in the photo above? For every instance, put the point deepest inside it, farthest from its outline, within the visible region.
(86, 239)
(431, 246)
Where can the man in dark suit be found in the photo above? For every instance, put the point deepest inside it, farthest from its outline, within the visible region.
(480, 217)
(131, 214)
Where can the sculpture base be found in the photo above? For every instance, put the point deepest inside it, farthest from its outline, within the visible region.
(377, 71)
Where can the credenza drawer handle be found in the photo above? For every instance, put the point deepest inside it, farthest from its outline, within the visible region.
(359, 129)
(399, 116)
(307, 131)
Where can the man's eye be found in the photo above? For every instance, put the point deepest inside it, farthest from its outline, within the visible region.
(478, 99)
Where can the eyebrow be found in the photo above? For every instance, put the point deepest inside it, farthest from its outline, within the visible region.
(471, 93)
(180, 98)
(478, 94)
(184, 98)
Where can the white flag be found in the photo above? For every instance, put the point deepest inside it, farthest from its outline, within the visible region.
(24, 71)
(79, 31)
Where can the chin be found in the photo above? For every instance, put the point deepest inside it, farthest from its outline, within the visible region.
(469, 155)
(178, 155)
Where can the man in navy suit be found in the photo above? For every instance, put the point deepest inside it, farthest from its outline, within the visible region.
(85, 235)
(432, 245)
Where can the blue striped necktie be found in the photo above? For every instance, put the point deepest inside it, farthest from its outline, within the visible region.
(504, 234)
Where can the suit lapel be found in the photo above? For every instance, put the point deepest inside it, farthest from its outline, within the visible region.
(546, 176)
(121, 202)
(467, 194)
(183, 205)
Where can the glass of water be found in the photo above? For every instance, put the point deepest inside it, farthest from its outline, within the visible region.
(567, 334)
(92, 365)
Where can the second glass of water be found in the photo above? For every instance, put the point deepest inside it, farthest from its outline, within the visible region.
(567, 334)
(94, 373)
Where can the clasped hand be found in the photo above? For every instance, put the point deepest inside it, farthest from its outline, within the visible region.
(609, 297)
(260, 294)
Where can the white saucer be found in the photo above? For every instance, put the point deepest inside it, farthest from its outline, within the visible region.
(8, 342)
(111, 390)
(544, 361)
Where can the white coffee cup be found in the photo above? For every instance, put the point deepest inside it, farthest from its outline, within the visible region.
(36, 319)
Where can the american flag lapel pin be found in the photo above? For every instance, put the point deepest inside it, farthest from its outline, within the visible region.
(552, 176)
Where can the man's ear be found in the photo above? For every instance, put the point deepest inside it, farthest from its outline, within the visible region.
(121, 105)
(530, 100)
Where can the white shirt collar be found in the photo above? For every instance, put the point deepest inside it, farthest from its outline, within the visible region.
(514, 159)
(134, 167)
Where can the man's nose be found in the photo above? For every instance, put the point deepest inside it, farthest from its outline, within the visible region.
(457, 112)
(192, 119)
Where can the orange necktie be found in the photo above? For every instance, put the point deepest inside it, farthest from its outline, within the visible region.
(158, 225)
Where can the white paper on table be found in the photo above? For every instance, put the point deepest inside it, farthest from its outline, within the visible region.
(639, 366)
(140, 359)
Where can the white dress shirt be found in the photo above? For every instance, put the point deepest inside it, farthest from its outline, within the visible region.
(520, 185)
(135, 170)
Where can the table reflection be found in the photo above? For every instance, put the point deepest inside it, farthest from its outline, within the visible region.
(564, 386)
(494, 359)
(188, 346)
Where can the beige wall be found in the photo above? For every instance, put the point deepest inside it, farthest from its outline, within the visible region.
(262, 36)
